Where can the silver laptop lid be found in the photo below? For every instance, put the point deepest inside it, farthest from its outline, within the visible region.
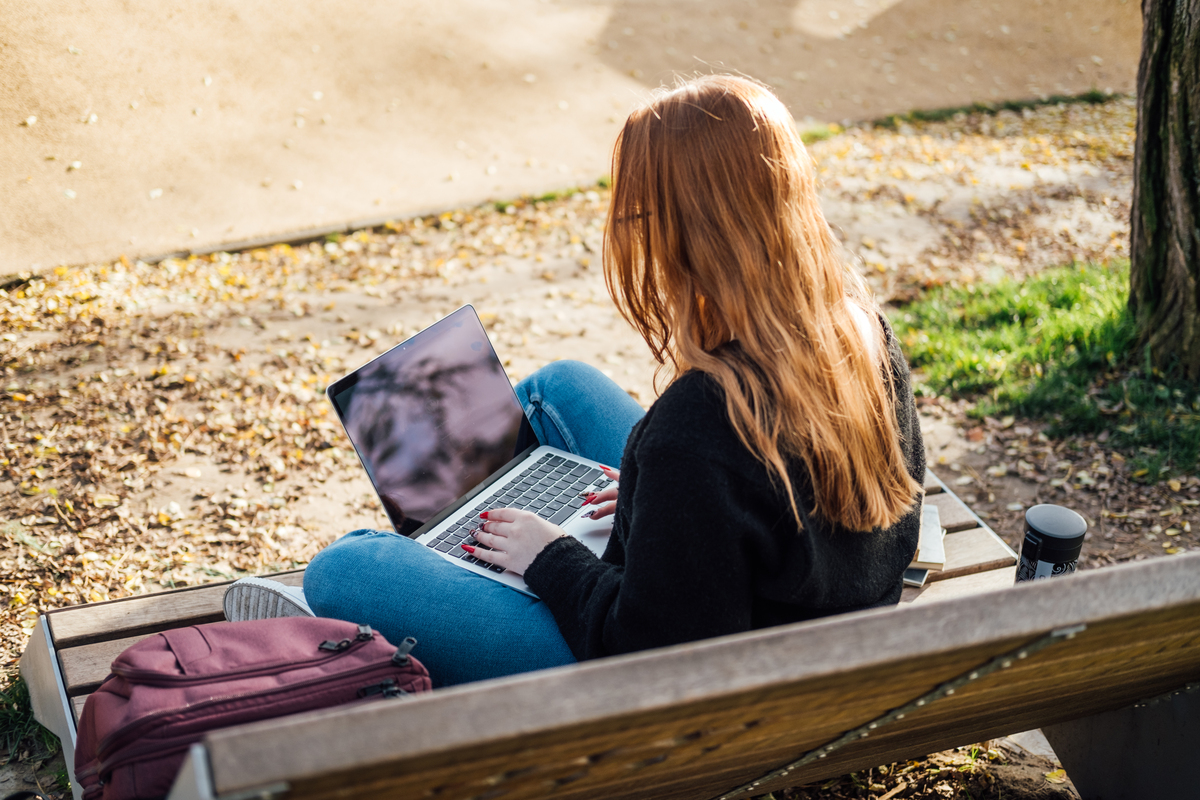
(434, 420)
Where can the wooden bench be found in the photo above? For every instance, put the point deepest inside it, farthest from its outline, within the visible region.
(964, 658)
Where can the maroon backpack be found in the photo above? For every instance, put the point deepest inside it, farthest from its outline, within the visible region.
(168, 690)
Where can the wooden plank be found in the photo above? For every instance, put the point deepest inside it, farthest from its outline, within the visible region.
(955, 515)
(963, 586)
(719, 738)
(77, 705)
(144, 614)
(971, 551)
(932, 484)
(774, 692)
(85, 667)
(676, 744)
(1023, 686)
(728, 740)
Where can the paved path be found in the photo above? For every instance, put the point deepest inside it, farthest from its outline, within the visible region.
(202, 123)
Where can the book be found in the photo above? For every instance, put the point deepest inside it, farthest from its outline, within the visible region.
(931, 549)
(915, 577)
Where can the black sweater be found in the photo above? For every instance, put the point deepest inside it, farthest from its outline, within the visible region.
(704, 544)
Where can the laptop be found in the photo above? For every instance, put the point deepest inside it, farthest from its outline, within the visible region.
(443, 437)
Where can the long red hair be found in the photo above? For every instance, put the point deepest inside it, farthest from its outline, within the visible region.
(717, 252)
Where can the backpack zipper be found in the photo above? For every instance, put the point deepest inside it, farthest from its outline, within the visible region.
(120, 737)
(329, 649)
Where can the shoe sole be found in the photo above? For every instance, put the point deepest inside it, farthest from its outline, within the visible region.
(253, 598)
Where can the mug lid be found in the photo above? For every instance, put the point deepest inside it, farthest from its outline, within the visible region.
(1056, 522)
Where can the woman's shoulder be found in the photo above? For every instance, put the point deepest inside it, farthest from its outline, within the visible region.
(694, 394)
(690, 417)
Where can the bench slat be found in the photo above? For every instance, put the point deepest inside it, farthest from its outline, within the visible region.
(118, 619)
(971, 551)
(1024, 686)
(766, 697)
(86, 666)
(618, 758)
(932, 484)
(954, 514)
(963, 586)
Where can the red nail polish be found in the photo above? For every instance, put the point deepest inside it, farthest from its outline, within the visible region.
(483, 514)
(610, 469)
(591, 498)
(467, 547)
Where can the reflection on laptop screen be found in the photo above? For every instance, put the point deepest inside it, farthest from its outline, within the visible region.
(432, 418)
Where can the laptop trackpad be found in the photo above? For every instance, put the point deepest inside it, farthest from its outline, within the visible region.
(593, 533)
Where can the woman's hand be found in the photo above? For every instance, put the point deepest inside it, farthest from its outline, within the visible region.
(515, 538)
(607, 499)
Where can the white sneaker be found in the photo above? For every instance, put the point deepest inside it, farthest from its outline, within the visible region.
(259, 598)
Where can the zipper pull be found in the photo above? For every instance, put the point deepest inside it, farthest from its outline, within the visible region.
(400, 657)
(364, 633)
(334, 647)
(387, 688)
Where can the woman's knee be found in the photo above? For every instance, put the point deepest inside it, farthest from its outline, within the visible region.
(555, 376)
(344, 562)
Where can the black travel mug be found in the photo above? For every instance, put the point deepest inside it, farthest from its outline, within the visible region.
(1053, 540)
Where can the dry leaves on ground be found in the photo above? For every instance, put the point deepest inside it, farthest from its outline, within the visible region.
(164, 425)
(1013, 465)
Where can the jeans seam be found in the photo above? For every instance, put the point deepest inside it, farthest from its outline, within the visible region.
(536, 404)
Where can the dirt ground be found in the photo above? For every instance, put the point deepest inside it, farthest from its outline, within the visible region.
(147, 129)
(163, 425)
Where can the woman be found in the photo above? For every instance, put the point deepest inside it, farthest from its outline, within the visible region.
(774, 480)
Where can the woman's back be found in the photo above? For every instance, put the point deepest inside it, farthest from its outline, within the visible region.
(704, 541)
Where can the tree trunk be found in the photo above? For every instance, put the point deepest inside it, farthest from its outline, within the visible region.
(1165, 236)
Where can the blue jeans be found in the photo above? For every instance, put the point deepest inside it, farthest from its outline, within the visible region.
(469, 627)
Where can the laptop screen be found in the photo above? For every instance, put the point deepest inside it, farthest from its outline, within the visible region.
(432, 418)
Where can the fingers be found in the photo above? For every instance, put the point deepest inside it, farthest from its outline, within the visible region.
(501, 515)
(482, 553)
(485, 548)
(492, 540)
(605, 500)
(606, 496)
(501, 521)
(615, 474)
(603, 511)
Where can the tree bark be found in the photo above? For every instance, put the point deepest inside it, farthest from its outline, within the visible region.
(1165, 235)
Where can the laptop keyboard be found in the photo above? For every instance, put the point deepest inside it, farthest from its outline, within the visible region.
(552, 487)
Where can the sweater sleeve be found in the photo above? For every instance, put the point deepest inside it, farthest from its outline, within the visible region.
(686, 572)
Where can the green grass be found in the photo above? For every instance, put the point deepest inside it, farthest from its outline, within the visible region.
(1093, 97)
(19, 731)
(819, 132)
(604, 182)
(1059, 347)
